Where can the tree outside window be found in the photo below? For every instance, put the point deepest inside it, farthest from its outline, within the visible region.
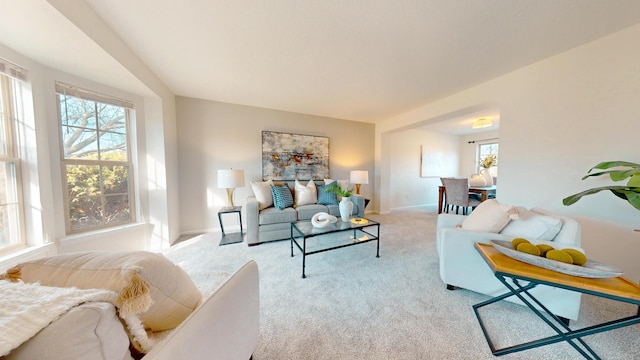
(96, 163)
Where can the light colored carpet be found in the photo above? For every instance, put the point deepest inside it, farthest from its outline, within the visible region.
(353, 305)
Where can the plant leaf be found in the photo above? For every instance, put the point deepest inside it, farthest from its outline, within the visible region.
(610, 164)
(634, 181)
(572, 199)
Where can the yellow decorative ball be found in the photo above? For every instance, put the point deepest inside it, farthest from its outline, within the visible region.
(559, 255)
(544, 248)
(529, 248)
(517, 241)
(578, 257)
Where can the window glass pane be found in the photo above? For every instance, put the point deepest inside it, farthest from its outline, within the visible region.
(9, 225)
(117, 209)
(113, 146)
(115, 179)
(85, 213)
(80, 143)
(77, 112)
(3, 119)
(111, 118)
(8, 191)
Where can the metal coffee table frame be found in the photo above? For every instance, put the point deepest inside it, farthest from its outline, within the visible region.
(299, 228)
(619, 289)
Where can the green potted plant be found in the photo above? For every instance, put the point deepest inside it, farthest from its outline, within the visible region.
(622, 170)
(335, 188)
(345, 206)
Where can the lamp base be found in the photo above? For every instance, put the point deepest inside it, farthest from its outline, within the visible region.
(229, 205)
(358, 189)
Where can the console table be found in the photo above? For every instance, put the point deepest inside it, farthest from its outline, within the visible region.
(524, 277)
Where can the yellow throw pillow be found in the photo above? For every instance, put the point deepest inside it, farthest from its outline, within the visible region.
(148, 284)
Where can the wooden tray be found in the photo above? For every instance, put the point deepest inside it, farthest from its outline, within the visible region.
(591, 269)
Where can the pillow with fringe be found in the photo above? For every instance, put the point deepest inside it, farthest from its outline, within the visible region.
(148, 284)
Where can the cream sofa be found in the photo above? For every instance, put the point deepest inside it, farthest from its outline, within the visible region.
(224, 326)
(462, 266)
(271, 224)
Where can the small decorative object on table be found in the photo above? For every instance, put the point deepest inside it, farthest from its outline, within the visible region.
(486, 163)
(322, 219)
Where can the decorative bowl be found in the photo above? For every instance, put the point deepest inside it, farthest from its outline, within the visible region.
(591, 269)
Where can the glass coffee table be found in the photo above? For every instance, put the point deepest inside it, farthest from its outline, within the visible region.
(312, 240)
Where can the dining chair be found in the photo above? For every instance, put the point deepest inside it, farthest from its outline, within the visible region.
(445, 206)
(456, 192)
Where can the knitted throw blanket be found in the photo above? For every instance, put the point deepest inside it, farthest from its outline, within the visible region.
(25, 309)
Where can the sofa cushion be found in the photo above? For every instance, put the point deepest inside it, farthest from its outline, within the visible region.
(489, 216)
(326, 198)
(282, 197)
(305, 195)
(306, 212)
(262, 191)
(275, 216)
(149, 285)
(89, 331)
(530, 225)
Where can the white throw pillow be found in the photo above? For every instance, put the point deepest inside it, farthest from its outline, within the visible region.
(262, 191)
(530, 225)
(305, 195)
(490, 216)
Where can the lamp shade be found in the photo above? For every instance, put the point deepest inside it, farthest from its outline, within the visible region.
(230, 179)
(359, 177)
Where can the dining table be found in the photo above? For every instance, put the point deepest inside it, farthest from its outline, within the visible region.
(484, 192)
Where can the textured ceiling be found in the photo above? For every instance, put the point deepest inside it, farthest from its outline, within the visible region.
(361, 60)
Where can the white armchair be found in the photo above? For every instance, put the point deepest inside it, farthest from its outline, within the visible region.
(462, 266)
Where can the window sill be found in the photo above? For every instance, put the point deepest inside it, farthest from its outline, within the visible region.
(25, 254)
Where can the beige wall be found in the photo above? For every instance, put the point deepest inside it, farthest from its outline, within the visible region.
(214, 135)
(558, 118)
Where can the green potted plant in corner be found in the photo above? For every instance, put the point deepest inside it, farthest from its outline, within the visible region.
(622, 170)
(345, 206)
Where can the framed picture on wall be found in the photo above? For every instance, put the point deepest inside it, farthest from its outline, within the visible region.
(294, 157)
(431, 162)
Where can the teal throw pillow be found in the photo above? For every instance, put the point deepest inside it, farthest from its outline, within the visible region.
(282, 197)
(326, 198)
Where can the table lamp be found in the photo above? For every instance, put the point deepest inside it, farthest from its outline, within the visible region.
(230, 179)
(359, 177)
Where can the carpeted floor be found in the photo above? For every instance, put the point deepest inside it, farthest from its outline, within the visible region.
(353, 305)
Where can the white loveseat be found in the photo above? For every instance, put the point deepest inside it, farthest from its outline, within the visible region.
(224, 326)
(462, 266)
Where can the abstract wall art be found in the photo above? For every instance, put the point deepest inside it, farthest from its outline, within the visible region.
(292, 156)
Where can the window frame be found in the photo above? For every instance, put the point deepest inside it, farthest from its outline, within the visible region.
(11, 111)
(88, 95)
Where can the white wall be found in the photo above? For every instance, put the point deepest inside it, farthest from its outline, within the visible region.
(558, 118)
(214, 135)
(409, 188)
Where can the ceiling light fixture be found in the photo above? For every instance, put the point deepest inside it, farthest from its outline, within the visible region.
(481, 123)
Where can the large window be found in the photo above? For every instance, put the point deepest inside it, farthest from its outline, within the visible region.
(485, 151)
(96, 160)
(11, 215)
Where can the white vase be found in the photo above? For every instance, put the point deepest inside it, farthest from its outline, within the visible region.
(346, 207)
(487, 176)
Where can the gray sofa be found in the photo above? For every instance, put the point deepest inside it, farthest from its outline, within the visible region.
(272, 224)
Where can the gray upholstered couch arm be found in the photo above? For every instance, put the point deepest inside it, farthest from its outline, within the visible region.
(358, 200)
(253, 218)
